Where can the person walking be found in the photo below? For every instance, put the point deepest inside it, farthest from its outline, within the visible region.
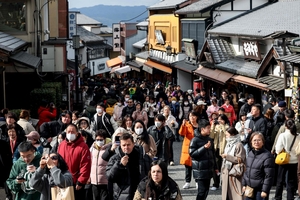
(203, 157)
(234, 153)
(187, 131)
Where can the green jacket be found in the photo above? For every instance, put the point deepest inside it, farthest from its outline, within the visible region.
(23, 191)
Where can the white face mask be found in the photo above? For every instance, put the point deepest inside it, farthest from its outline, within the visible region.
(173, 102)
(126, 99)
(119, 104)
(59, 140)
(139, 131)
(100, 143)
(99, 110)
(181, 99)
(186, 103)
(71, 137)
(158, 124)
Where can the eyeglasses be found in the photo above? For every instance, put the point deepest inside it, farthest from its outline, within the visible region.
(54, 157)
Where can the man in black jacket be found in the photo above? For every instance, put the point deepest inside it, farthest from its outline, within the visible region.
(129, 109)
(203, 158)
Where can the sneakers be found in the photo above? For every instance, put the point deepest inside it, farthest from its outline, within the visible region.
(172, 163)
(186, 186)
(213, 188)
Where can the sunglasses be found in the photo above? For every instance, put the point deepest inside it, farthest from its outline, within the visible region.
(54, 157)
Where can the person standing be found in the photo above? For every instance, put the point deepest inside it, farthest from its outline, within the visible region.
(126, 168)
(187, 131)
(229, 111)
(46, 113)
(203, 157)
(22, 171)
(78, 158)
(129, 108)
(260, 169)
(23, 122)
(233, 154)
(5, 166)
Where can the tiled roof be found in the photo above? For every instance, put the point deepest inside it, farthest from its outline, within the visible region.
(10, 43)
(239, 66)
(88, 36)
(280, 16)
(221, 50)
(85, 20)
(293, 58)
(274, 82)
(27, 59)
(143, 55)
(182, 65)
(199, 6)
(166, 4)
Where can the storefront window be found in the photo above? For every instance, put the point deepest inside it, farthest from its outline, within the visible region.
(97, 53)
(13, 16)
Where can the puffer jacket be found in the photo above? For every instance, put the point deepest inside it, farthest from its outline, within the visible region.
(260, 170)
(162, 140)
(52, 129)
(203, 160)
(98, 176)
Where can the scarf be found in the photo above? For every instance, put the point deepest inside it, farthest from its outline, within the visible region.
(230, 149)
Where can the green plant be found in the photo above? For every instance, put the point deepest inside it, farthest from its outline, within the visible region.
(41, 94)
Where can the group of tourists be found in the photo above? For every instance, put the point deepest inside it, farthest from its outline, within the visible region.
(119, 146)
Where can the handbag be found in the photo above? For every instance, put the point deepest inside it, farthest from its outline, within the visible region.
(66, 193)
(249, 192)
(283, 157)
(238, 169)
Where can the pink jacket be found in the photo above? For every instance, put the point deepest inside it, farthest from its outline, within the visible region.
(98, 168)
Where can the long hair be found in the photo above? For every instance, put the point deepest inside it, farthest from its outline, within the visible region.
(144, 135)
(61, 163)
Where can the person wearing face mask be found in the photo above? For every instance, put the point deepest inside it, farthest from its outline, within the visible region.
(141, 137)
(98, 177)
(117, 114)
(177, 112)
(162, 136)
(186, 107)
(78, 158)
(83, 124)
(102, 120)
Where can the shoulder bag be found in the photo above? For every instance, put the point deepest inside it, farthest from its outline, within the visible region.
(66, 193)
(238, 169)
(283, 157)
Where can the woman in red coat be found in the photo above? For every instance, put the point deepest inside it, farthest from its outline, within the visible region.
(229, 111)
(187, 131)
(46, 113)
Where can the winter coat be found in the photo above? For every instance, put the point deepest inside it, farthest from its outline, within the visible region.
(117, 115)
(23, 191)
(78, 158)
(218, 135)
(108, 122)
(162, 139)
(46, 115)
(150, 148)
(187, 131)
(6, 163)
(258, 124)
(169, 119)
(42, 182)
(230, 113)
(260, 170)
(52, 129)
(19, 131)
(127, 111)
(169, 192)
(203, 160)
(124, 182)
(140, 115)
(98, 176)
(27, 127)
(228, 181)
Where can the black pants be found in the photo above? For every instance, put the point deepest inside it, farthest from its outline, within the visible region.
(203, 188)
(100, 192)
(79, 194)
(171, 157)
(188, 173)
(289, 170)
(219, 163)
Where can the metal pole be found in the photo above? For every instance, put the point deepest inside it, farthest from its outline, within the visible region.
(284, 70)
(4, 92)
(76, 77)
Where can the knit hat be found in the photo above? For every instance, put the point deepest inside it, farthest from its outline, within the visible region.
(281, 104)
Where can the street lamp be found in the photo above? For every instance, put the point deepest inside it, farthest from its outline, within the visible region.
(169, 50)
(76, 45)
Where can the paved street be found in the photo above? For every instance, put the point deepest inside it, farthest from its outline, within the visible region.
(177, 172)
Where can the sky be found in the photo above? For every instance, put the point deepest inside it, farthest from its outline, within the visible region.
(90, 3)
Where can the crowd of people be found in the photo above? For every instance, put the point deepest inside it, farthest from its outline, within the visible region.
(121, 144)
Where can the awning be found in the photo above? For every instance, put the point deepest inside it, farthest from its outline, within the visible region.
(275, 83)
(217, 75)
(27, 59)
(135, 65)
(158, 66)
(182, 65)
(123, 70)
(250, 81)
(148, 69)
(292, 58)
(140, 44)
(114, 69)
(115, 61)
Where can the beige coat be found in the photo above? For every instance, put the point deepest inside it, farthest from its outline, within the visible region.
(218, 135)
(227, 186)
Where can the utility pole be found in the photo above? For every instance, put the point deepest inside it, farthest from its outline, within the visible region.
(76, 45)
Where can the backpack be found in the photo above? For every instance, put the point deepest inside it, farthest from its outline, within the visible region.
(110, 109)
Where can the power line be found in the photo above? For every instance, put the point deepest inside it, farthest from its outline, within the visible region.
(134, 17)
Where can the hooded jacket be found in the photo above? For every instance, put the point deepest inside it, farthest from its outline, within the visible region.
(203, 160)
(78, 158)
(45, 115)
(108, 122)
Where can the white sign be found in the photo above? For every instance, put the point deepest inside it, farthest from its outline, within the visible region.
(72, 24)
(288, 92)
(116, 37)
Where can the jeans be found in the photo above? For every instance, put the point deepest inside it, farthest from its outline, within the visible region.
(188, 173)
(203, 188)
